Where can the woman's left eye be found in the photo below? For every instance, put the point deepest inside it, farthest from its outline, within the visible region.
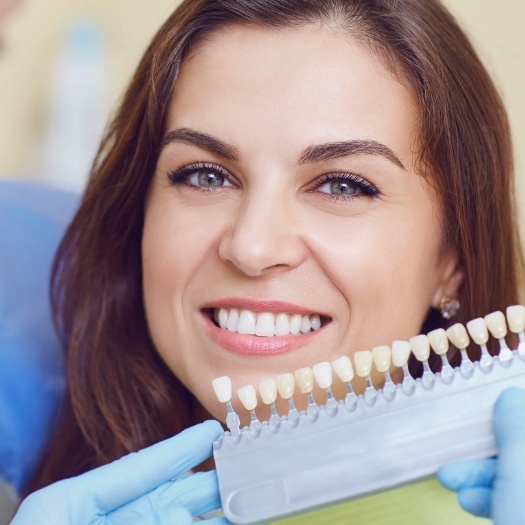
(345, 185)
(201, 177)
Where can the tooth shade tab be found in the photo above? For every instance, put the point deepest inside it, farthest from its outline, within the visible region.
(438, 341)
(323, 374)
(496, 324)
(343, 368)
(420, 347)
(268, 391)
(382, 356)
(248, 397)
(222, 386)
(285, 385)
(477, 328)
(363, 363)
(458, 336)
(400, 353)
(304, 377)
(516, 318)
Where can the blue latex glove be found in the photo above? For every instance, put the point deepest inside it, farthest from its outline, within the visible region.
(495, 488)
(138, 489)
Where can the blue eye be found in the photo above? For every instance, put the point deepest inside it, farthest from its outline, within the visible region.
(201, 176)
(345, 186)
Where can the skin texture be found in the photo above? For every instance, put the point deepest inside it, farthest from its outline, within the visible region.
(371, 265)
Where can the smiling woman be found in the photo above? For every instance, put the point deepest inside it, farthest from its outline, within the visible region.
(285, 181)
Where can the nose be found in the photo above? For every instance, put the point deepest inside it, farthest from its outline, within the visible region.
(265, 235)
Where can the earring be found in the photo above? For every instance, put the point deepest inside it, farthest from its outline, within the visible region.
(448, 307)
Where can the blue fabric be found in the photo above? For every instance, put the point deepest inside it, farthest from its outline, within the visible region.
(32, 221)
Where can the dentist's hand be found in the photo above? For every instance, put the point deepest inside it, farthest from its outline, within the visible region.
(138, 489)
(495, 488)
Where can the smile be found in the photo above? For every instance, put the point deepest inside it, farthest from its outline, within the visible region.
(265, 324)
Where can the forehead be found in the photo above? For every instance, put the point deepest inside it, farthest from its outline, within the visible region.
(314, 79)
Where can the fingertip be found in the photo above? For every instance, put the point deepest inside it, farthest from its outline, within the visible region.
(509, 416)
(476, 501)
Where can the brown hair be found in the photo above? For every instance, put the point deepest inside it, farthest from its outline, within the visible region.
(120, 395)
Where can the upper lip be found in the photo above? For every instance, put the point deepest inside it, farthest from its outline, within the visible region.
(262, 305)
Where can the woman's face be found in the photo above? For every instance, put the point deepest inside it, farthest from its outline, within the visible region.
(287, 185)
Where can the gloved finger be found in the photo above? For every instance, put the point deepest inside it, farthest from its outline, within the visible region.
(136, 474)
(197, 493)
(153, 516)
(476, 500)
(509, 418)
(468, 473)
(215, 521)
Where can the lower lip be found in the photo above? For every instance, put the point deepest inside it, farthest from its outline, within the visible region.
(253, 345)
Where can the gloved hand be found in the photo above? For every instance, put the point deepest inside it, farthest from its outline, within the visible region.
(138, 489)
(495, 488)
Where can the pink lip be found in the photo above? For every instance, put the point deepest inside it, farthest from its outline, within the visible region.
(253, 345)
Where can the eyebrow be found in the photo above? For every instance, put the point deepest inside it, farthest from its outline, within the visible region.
(311, 155)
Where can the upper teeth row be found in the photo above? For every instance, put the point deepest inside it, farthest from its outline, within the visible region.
(265, 323)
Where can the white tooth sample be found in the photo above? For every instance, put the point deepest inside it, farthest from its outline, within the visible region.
(268, 391)
(248, 397)
(458, 336)
(477, 328)
(295, 324)
(222, 386)
(516, 318)
(282, 324)
(343, 368)
(306, 325)
(496, 324)
(222, 318)
(316, 322)
(323, 374)
(285, 385)
(382, 355)
(304, 377)
(420, 347)
(246, 323)
(438, 341)
(363, 363)
(265, 325)
(233, 320)
(400, 353)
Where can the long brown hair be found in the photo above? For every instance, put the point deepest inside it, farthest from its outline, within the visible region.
(120, 395)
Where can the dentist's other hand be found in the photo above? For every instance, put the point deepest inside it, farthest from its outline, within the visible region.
(140, 488)
(495, 488)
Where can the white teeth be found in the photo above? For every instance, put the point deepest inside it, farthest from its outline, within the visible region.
(285, 385)
(304, 377)
(438, 341)
(222, 386)
(382, 355)
(306, 325)
(420, 347)
(323, 374)
(233, 320)
(268, 391)
(282, 325)
(248, 397)
(458, 336)
(477, 328)
(363, 363)
(246, 323)
(400, 353)
(295, 324)
(265, 324)
(516, 318)
(496, 324)
(343, 368)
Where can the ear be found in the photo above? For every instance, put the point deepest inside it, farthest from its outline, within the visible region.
(451, 278)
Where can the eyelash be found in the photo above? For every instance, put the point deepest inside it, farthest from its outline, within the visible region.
(366, 189)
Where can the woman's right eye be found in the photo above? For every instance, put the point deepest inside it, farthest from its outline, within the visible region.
(201, 177)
